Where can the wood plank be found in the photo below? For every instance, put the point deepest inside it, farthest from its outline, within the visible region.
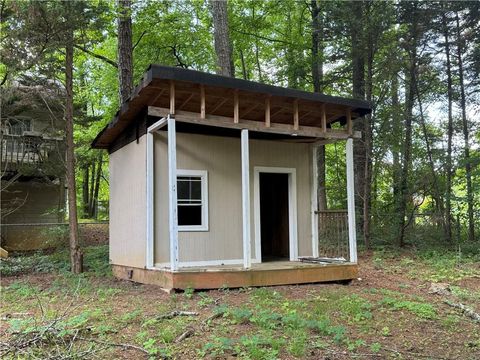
(352, 236)
(203, 278)
(267, 111)
(172, 97)
(324, 119)
(172, 194)
(349, 122)
(275, 128)
(202, 102)
(296, 122)
(236, 111)
(247, 252)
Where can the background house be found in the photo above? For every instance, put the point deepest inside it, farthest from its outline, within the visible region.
(32, 166)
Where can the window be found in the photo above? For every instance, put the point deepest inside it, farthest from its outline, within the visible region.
(18, 126)
(192, 200)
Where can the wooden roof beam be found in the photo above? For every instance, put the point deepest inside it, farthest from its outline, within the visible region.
(256, 126)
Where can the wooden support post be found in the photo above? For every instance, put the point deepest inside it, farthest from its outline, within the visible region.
(172, 97)
(236, 110)
(352, 234)
(247, 254)
(172, 194)
(324, 118)
(150, 200)
(349, 122)
(202, 102)
(267, 111)
(314, 200)
(295, 115)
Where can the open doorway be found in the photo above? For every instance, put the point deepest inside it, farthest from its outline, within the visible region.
(274, 216)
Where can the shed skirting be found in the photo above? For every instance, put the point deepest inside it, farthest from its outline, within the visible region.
(264, 274)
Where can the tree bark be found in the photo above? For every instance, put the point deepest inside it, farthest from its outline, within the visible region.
(466, 149)
(85, 190)
(358, 92)
(124, 49)
(76, 256)
(317, 75)
(94, 210)
(409, 103)
(223, 46)
(448, 167)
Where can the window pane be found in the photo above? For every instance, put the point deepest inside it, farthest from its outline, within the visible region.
(189, 215)
(183, 189)
(196, 190)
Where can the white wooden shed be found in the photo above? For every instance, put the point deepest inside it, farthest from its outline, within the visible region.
(213, 182)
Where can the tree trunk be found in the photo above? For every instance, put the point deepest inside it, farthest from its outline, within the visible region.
(367, 130)
(223, 47)
(85, 190)
(358, 92)
(409, 103)
(76, 256)
(124, 50)
(317, 75)
(94, 210)
(466, 150)
(448, 170)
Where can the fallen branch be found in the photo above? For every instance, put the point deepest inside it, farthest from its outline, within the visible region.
(121, 345)
(466, 310)
(176, 313)
(189, 332)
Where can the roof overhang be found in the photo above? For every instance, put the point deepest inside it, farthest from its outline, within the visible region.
(205, 99)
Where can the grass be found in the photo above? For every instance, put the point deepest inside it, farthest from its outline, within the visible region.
(390, 309)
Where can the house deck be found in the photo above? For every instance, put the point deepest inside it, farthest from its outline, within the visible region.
(260, 274)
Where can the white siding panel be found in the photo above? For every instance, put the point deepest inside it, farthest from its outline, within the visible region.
(128, 204)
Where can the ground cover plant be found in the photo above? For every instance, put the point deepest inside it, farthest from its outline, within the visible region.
(390, 312)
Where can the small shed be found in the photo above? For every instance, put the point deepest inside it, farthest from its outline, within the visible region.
(213, 182)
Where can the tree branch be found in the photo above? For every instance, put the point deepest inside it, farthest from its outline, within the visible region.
(98, 56)
(139, 39)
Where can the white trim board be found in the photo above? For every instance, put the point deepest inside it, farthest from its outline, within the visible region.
(203, 263)
(292, 209)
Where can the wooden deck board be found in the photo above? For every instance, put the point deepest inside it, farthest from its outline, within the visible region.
(264, 274)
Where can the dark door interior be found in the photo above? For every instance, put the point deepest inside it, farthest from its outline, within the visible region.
(274, 216)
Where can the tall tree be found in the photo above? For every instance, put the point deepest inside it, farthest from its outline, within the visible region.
(124, 49)
(448, 165)
(223, 46)
(466, 135)
(317, 76)
(76, 255)
(410, 14)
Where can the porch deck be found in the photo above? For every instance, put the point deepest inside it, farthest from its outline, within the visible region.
(260, 274)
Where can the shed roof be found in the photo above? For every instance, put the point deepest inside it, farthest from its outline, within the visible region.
(153, 90)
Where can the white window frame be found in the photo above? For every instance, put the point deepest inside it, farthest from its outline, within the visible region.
(203, 174)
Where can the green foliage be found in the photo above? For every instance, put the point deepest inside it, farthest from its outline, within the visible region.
(422, 310)
(95, 262)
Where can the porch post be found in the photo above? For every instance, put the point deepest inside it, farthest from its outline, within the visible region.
(150, 200)
(172, 193)
(314, 200)
(352, 235)
(246, 199)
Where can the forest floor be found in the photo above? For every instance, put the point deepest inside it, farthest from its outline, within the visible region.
(390, 312)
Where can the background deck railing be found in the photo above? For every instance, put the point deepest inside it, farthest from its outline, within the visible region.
(333, 234)
(18, 150)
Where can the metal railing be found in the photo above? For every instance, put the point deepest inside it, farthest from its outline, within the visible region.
(333, 234)
(18, 150)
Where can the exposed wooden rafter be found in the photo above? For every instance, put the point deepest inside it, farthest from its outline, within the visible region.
(257, 126)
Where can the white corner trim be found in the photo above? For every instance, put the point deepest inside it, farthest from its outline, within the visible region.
(245, 160)
(292, 209)
(314, 201)
(352, 234)
(150, 170)
(172, 193)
